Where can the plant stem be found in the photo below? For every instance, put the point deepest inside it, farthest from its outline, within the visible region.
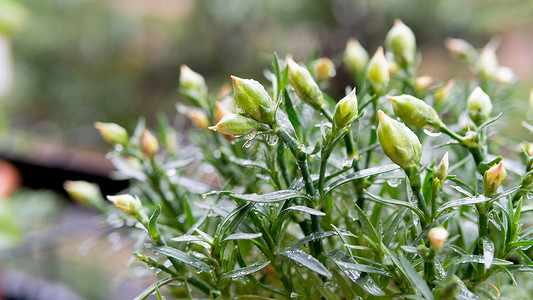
(416, 186)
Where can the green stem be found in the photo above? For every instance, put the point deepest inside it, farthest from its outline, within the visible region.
(416, 186)
(282, 162)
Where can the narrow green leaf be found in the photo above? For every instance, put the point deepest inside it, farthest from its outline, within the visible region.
(488, 253)
(306, 260)
(481, 260)
(188, 211)
(406, 204)
(241, 272)
(232, 220)
(276, 196)
(368, 229)
(152, 224)
(475, 200)
(525, 244)
(306, 210)
(183, 257)
(243, 236)
(392, 228)
(361, 174)
(414, 278)
(151, 289)
(312, 237)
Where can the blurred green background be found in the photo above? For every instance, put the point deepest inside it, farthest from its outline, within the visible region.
(75, 62)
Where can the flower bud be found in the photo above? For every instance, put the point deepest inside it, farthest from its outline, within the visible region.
(355, 57)
(400, 40)
(323, 69)
(443, 93)
(149, 143)
(440, 171)
(254, 100)
(220, 111)
(460, 48)
(437, 237)
(479, 106)
(399, 143)
(304, 85)
(488, 62)
(127, 204)
(345, 111)
(415, 112)
(112, 133)
(493, 178)
(234, 124)
(423, 82)
(505, 75)
(192, 82)
(83, 192)
(198, 118)
(377, 72)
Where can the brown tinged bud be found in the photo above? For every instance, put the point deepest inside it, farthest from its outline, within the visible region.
(377, 72)
(220, 111)
(399, 143)
(345, 111)
(415, 112)
(438, 237)
(440, 171)
(323, 69)
(493, 178)
(149, 144)
(254, 100)
(400, 40)
(198, 118)
(355, 57)
(112, 133)
(479, 106)
(304, 85)
(127, 204)
(235, 124)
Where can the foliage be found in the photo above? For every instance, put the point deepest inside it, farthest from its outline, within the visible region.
(306, 204)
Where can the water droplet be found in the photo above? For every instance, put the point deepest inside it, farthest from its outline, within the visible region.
(347, 163)
(432, 134)
(217, 154)
(272, 139)
(294, 295)
(394, 182)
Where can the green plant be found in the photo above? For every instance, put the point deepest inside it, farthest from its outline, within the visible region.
(305, 203)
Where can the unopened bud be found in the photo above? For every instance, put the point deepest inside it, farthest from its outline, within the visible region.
(443, 93)
(438, 237)
(254, 100)
(323, 69)
(198, 118)
(423, 82)
(400, 40)
(220, 111)
(83, 192)
(235, 124)
(440, 171)
(149, 144)
(377, 72)
(112, 133)
(493, 178)
(505, 75)
(192, 82)
(345, 111)
(127, 204)
(460, 48)
(304, 85)
(399, 143)
(488, 62)
(479, 106)
(355, 57)
(414, 111)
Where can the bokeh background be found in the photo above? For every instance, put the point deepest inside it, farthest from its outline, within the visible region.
(65, 64)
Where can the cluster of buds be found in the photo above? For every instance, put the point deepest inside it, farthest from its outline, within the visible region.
(493, 178)
(377, 72)
(479, 106)
(304, 85)
(400, 40)
(399, 143)
(415, 112)
(112, 133)
(345, 112)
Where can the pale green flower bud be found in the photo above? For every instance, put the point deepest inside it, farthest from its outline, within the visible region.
(112, 133)
(355, 57)
(234, 124)
(149, 144)
(253, 99)
(192, 82)
(440, 171)
(488, 62)
(198, 118)
(399, 143)
(460, 48)
(438, 237)
(414, 111)
(127, 204)
(493, 178)
(323, 69)
(479, 106)
(423, 82)
(84, 192)
(400, 40)
(505, 75)
(304, 85)
(377, 72)
(345, 111)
